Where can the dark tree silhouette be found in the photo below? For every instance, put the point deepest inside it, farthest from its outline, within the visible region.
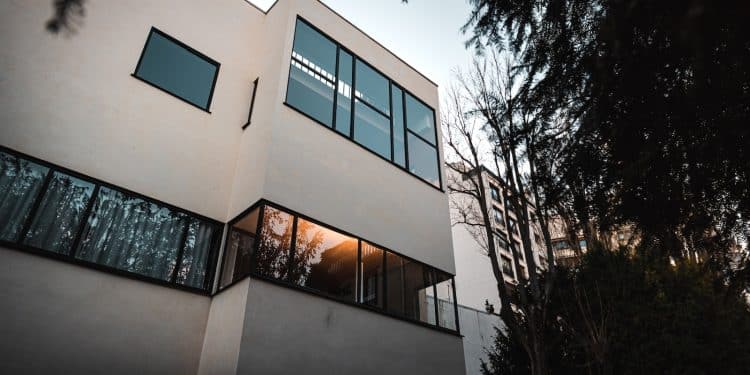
(67, 17)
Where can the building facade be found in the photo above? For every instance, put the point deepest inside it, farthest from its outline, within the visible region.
(202, 187)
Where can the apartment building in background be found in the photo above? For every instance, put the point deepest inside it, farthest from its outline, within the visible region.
(203, 187)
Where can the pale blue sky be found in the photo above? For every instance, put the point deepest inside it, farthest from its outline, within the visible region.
(424, 33)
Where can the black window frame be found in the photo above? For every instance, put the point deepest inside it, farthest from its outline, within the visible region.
(391, 83)
(189, 49)
(18, 244)
(262, 203)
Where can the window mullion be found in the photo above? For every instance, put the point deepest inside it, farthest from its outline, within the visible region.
(335, 88)
(354, 95)
(84, 221)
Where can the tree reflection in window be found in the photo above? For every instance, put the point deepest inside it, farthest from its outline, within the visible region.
(239, 249)
(324, 260)
(20, 183)
(274, 243)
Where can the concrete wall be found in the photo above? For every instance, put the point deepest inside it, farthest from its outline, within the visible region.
(475, 282)
(328, 337)
(62, 318)
(478, 329)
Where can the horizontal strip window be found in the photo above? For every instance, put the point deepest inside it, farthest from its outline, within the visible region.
(178, 69)
(54, 211)
(341, 91)
(271, 242)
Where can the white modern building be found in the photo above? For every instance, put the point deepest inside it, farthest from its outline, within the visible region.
(201, 187)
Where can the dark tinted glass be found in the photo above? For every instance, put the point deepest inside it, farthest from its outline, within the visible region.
(312, 74)
(399, 152)
(371, 290)
(177, 69)
(274, 244)
(134, 235)
(56, 221)
(324, 260)
(420, 119)
(20, 183)
(239, 249)
(196, 252)
(408, 285)
(372, 87)
(423, 159)
(344, 92)
(372, 130)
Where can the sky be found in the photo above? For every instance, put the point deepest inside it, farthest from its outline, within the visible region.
(424, 33)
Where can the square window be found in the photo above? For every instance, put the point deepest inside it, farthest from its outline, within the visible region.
(177, 69)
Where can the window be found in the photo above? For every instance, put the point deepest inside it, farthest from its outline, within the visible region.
(495, 193)
(48, 210)
(498, 216)
(340, 91)
(512, 226)
(560, 244)
(582, 244)
(502, 244)
(507, 265)
(170, 65)
(272, 243)
(324, 260)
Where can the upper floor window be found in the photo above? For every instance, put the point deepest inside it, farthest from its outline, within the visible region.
(498, 216)
(495, 193)
(337, 89)
(172, 66)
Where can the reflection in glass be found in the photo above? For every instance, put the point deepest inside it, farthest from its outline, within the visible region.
(423, 159)
(312, 74)
(408, 283)
(372, 87)
(420, 119)
(371, 289)
(133, 235)
(399, 152)
(178, 70)
(56, 221)
(239, 249)
(372, 130)
(196, 252)
(344, 92)
(20, 182)
(446, 302)
(274, 244)
(324, 260)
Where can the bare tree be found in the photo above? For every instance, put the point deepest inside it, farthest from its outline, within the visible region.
(489, 125)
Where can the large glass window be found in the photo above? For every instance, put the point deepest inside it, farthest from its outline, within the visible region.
(239, 249)
(387, 120)
(324, 260)
(312, 76)
(302, 253)
(371, 288)
(47, 209)
(178, 69)
(20, 184)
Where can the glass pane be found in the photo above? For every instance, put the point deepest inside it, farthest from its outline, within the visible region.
(420, 119)
(56, 222)
(371, 290)
(196, 253)
(407, 284)
(133, 235)
(239, 249)
(372, 130)
(312, 74)
(399, 153)
(176, 69)
(344, 92)
(314, 50)
(324, 260)
(372, 87)
(310, 93)
(446, 303)
(20, 182)
(275, 244)
(423, 160)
